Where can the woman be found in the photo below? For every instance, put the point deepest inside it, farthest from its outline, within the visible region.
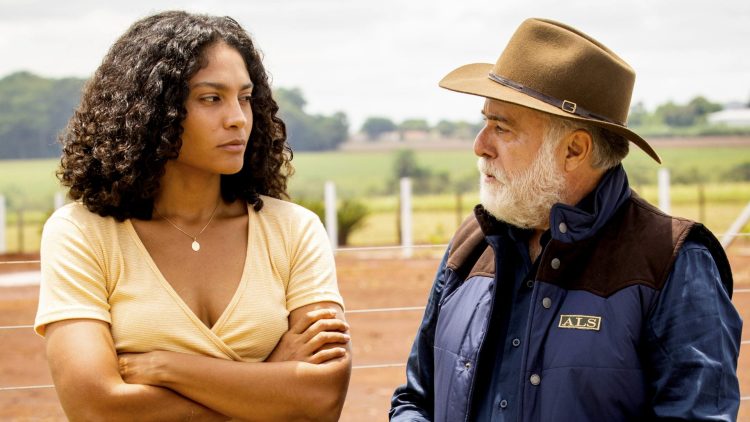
(179, 286)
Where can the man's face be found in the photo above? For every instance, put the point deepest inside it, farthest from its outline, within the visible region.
(520, 173)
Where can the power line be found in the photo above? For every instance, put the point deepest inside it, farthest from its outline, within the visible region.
(26, 387)
(373, 310)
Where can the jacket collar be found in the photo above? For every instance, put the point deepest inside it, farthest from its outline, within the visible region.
(593, 211)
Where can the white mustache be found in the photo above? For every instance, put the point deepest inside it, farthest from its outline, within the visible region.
(485, 167)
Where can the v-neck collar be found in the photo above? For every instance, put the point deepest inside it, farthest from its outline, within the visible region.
(214, 331)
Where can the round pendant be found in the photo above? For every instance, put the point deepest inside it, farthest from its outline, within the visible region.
(196, 246)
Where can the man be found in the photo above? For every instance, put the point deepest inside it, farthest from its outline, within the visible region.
(566, 297)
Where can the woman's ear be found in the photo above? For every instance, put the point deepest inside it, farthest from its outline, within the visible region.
(578, 149)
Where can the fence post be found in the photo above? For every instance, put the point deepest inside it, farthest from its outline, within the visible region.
(19, 220)
(406, 226)
(701, 204)
(459, 209)
(3, 222)
(329, 199)
(664, 203)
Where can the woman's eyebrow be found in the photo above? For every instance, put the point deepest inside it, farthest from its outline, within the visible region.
(219, 85)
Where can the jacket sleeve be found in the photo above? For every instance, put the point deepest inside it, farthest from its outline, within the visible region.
(413, 401)
(693, 335)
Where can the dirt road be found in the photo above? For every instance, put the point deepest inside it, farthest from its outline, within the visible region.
(378, 337)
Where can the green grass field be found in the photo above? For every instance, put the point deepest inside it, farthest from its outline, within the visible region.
(360, 173)
(30, 185)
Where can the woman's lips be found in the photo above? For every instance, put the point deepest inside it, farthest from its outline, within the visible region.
(233, 146)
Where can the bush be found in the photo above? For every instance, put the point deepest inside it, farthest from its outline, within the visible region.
(374, 127)
(689, 176)
(350, 216)
(738, 173)
(423, 178)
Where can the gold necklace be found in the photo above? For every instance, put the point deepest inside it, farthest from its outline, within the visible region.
(195, 245)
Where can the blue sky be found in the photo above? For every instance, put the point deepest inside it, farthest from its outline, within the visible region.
(385, 57)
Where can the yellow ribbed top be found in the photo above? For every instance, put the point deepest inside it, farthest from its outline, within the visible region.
(95, 267)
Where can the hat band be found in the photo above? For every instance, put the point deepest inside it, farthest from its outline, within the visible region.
(564, 105)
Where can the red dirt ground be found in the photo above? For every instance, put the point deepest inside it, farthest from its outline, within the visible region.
(377, 338)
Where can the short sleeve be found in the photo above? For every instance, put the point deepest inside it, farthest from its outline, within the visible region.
(73, 283)
(312, 276)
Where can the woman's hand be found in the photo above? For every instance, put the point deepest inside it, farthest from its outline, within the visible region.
(319, 336)
(141, 368)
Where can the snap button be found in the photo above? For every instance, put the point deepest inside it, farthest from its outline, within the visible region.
(555, 263)
(467, 365)
(547, 303)
(535, 379)
(530, 284)
(563, 228)
(516, 342)
(503, 404)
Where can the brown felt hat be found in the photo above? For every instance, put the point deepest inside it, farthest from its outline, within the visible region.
(551, 67)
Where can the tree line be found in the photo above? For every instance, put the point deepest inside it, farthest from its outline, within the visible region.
(36, 109)
(668, 119)
(33, 112)
(375, 127)
(688, 119)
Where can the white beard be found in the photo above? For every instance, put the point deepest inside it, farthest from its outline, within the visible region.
(526, 198)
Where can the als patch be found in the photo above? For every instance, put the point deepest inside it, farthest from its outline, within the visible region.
(580, 322)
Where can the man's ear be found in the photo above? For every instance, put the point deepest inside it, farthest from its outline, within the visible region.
(578, 149)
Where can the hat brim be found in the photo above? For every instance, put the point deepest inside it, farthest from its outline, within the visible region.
(473, 79)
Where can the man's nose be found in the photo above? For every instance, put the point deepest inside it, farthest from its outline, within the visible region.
(482, 145)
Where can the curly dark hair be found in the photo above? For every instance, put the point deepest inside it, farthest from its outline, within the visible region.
(129, 121)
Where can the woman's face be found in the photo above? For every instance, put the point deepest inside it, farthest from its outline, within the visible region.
(219, 113)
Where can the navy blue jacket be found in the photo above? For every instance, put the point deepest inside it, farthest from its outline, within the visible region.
(629, 318)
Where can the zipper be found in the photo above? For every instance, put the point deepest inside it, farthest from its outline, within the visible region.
(482, 341)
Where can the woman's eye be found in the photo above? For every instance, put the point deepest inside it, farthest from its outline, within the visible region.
(210, 98)
(246, 98)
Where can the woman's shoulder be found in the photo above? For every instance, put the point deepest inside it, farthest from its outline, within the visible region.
(74, 211)
(291, 227)
(77, 214)
(287, 214)
(284, 209)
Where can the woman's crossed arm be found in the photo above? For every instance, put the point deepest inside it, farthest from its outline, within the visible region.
(305, 378)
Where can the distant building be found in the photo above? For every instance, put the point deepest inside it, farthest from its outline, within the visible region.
(736, 117)
(415, 135)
